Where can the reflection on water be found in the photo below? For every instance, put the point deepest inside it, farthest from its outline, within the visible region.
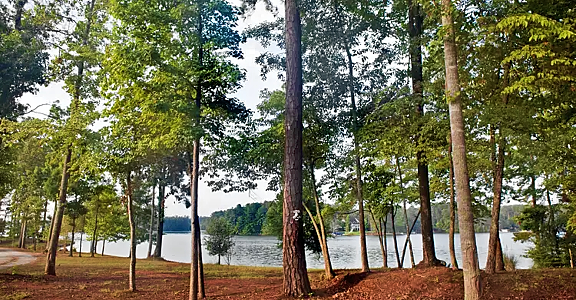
(344, 250)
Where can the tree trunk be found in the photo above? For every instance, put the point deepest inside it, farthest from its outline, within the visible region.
(415, 21)
(80, 250)
(392, 213)
(452, 230)
(407, 241)
(94, 233)
(295, 275)
(132, 274)
(71, 254)
(193, 170)
(104, 246)
(44, 218)
(498, 174)
(385, 262)
(329, 273)
(201, 288)
(381, 237)
(499, 257)
(18, 15)
(34, 240)
(160, 232)
(50, 268)
(151, 229)
(51, 224)
(472, 283)
(405, 217)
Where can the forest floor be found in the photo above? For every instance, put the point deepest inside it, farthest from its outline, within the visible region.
(107, 278)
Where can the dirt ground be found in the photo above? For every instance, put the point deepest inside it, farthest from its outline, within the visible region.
(107, 278)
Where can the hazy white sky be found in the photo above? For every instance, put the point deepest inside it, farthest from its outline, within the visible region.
(249, 94)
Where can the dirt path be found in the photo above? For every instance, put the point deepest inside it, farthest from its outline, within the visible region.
(10, 258)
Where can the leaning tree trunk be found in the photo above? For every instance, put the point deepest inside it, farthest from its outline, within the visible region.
(132, 274)
(452, 229)
(295, 275)
(51, 225)
(329, 272)
(50, 268)
(408, 239)
(394, 239)
(472, 283)
(381, 237)
(406, 219)
(151, 229)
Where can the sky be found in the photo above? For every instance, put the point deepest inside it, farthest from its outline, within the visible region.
(249, 94)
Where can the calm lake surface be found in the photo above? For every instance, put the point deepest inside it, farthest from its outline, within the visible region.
(344, 250)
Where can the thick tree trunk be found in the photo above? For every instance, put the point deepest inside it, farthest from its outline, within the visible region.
(160, 230)
(452, 229)
(50, 268)
(151, 229)
(494, 246)
(472, 283)
(132, 274)
(415, 29)
(499, 257)
(295, 275)
(394, 239)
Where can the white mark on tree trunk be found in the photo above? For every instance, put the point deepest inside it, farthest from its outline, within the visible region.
(296, 216)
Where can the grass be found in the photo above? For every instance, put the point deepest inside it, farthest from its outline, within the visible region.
(510, 261)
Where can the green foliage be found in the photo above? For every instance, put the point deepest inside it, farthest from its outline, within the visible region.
(220, 240)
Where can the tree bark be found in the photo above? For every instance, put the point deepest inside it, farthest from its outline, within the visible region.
(408, 238)
(103, 246)
(415, 20)
(50, 268)
(494, 246)
(381, 237)
(392, 213)
(80, 250)
(95, 233)
(151, 229)
(452, 230)
(51, 225)
(406, 218)
(71, 254)
(201, 288)
(160, 230)
(329, 273)
(132, 273)
(295, 275)
(472, 283)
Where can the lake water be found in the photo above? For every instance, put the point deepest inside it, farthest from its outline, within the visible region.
(344, 250)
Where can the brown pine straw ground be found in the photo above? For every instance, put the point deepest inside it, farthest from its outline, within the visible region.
(107, 278)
